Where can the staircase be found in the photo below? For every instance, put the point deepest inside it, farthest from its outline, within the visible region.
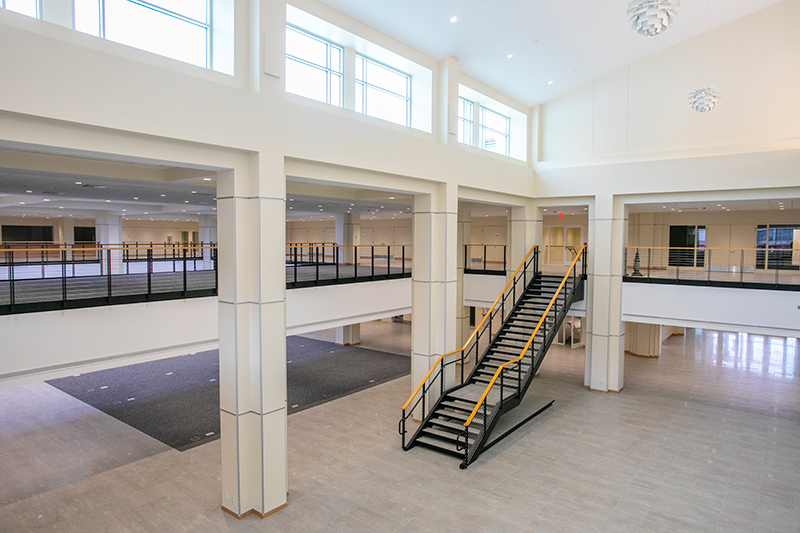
(463, 412)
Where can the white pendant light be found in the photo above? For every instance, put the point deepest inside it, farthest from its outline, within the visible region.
(704, 99)
(651, 17)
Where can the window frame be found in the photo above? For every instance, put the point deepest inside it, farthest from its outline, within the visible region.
(467, 124)
(329, 72)
(361, 85)
(506, 134)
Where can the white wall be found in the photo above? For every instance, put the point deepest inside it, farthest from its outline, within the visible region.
(643, 107)
(744, 310)
(39, 346)
(482, 291)
(316, 308)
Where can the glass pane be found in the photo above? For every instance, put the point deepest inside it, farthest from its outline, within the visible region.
(336, 90)
(385, 106)
(144, 28)
(194, 9)
(465, 109)
(494, 142)
(360, 68)
(387, 79)
(306, 80)
(306, 47)
(87, 16)
(26, 7)
(495, 121)
(359, 97)
(336, 59)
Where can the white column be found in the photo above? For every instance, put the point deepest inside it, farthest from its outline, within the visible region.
(643, 339)
(522, 235)
(434, 278)
(252, 336)
(448, 101)
(349, 96)
(108, 232)
(464, 238)
(66, 230)
(605, 331)
(58, 12)
(348, 335)
(207, 229)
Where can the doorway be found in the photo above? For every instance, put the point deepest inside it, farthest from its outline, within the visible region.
(561, 244)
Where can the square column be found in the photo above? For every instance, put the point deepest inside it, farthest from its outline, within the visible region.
(108, 232)
(464, 238)
(348, 234)
(252, 337)
(522, 235)
(434, 279)
(605, 331)
(348, 335)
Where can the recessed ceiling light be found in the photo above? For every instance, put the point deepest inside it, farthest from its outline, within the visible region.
(163, 196)
(719, 205)
(663, 207)
(509, 56)
(550, 82)
(182, 210)
(78, 183)
(47, 199)
(391, 198)
(290, 207)
(194, 192)
(145, 212)
(28, 191)
(453, 18)
(124, 210)
(213, 208)
(135, 197)
(22, 203)
(108, 201)
(206, 179)
(381, 207)
(61, 207)
(186, 201)
(673, 209)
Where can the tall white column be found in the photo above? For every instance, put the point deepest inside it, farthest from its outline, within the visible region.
(522, 235)
(108, 232)
(448, 100)
(605, 331)
(252, 336)
(347, 234)
(464, 238)
(348, 335)
(207, 229)
(434, 278)
(66, 230)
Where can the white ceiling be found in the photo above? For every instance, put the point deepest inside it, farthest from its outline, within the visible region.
(569, 42)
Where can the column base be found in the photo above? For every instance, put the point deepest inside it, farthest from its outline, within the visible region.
(642, 356)
(587, 387)
(346, 344)
(253, 511)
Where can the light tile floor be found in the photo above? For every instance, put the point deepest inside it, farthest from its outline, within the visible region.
(391, 337)
(703, 439)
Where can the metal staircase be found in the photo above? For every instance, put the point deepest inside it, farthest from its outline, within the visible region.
(454, 410)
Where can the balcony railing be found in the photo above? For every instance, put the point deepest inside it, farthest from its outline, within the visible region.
(61, 276)
(312, 264)
(756, 268)
(485, 259)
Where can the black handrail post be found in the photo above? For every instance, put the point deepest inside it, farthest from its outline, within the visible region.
(11, 278)
(149, 271)
(215, 257)
(336, 260)
(504, 258)
(484, 259)
(388, 260)
(741, 265)
(63, 278)
(315, 258)
(466, 255)
(184, 272)
(707, 262)
(403, 253)
(108, 272)
(372, 261)
(441, 378)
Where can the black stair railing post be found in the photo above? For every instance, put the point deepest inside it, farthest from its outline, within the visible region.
(466, 255)
(462, 365)
(501, 385)
(315, 257)
(336, 260)
(388, 260)
(403, 429)
(504, 258)
(424, 391)
(441, 376)
(215, 257)
(403, 265)
(184, 272)
(10, 254)
(484, 259)
(372, 261)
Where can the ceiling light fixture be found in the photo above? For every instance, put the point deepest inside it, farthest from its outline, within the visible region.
(206, 179)
(509, 56)
(78, 183)
(453, 18)
(550, 82)
(652, 17)
(706, 98)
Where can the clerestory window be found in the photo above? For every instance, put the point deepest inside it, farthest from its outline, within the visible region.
(466, 122)
(382, 92)
(495, 131)
(314, 67)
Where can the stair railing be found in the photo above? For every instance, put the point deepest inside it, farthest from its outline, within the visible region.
(473, 440)
(432, 387)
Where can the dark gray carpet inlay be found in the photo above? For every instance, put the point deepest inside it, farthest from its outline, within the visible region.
(176, 400)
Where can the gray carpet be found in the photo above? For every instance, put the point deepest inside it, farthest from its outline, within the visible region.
(176, 400)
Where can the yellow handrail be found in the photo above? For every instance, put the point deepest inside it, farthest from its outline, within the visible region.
(20, 251)
(527, 345)
(488, 314)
